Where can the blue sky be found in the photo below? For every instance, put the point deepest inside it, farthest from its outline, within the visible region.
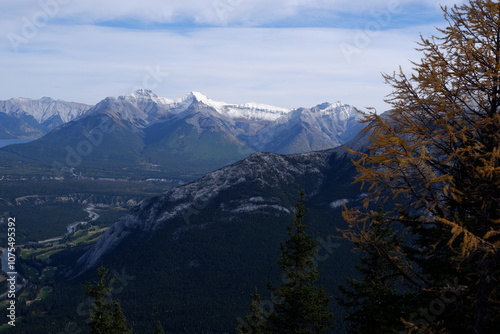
(289, 53)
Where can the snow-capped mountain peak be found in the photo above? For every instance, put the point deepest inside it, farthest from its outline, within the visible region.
(254, 111)
(147, 95)
(338, 108)
(199, 97)
(44, 109)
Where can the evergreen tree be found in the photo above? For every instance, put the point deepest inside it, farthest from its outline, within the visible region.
(255, 321)
(302, 306)
(436, 155)
(375, 306)
(106, 316)
(119, 320)
(159, 328)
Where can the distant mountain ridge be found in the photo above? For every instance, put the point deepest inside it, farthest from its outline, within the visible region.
(27, 118)
(256, 125)
(52, 113)
(146, 107)
(154, 136)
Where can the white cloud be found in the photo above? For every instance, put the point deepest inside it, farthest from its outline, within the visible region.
(288, 67)
(213, 12)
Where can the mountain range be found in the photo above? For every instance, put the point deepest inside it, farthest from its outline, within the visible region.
(194, 254)
(141, 135)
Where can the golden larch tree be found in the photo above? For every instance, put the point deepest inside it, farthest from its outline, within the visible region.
(435, 157)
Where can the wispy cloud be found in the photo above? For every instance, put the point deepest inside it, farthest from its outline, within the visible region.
(289, 53)
(215, 12)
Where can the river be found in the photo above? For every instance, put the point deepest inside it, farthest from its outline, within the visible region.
(92, 215)
(71, 228)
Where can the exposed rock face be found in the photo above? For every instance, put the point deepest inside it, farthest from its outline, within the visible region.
(257, 174)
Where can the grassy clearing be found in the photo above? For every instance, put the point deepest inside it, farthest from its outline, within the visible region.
(49, 272)
(44, 293)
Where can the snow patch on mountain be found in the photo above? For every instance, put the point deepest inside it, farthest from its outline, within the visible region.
(253, 207)
(255, 111)
(339, 203)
